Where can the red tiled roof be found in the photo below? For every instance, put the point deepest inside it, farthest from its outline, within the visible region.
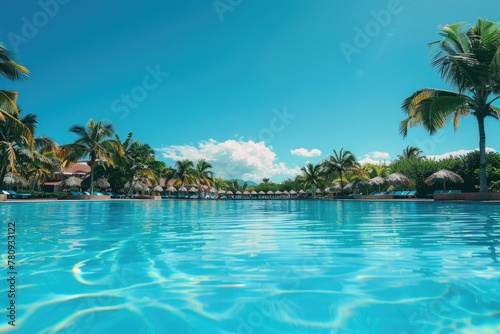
(55, 183)
(76, 168)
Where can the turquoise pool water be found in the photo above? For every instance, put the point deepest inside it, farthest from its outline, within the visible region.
(254, 267)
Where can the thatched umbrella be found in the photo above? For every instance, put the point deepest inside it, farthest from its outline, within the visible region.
(377, 180)
(398, 178)
(444, 176)
(293, 192)
(193, 190)
(183, 189)
(319, 191)
(335, 187)
(102, 183)
(171, 189)
(253, 192)
(73, 181)
(12, 178)
(158, 189)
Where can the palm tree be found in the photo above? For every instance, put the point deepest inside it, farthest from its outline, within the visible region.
(203, 173)
(12, 71)
(95, 143)
(468, 58)
(8, 109)
(312, 176)
(410, 151)
(14, 146)
(184, 171)
(342, 162)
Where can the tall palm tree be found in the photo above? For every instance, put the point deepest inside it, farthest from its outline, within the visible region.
(184, 171)
(11, 70)
(410, 151)
(203, 173)
(95, 143)
(312, 176)
(15, 146)
(342, 162)
(468, 59)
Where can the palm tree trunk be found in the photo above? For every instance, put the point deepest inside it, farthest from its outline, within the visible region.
(3, 171)
(483, 183)
(92, 178)
(341, 184)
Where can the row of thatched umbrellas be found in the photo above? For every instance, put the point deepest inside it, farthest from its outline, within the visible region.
(441, 176)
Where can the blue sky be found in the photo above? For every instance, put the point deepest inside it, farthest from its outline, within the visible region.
(244, 84)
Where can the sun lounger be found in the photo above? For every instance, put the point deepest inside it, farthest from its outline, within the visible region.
(113, 195)
(412, 194)
(13, 194)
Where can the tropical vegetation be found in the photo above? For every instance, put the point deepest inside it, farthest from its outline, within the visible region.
(468, 59)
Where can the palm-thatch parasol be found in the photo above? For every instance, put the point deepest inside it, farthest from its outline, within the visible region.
(102, 183)
(253, 192)
(238, 193)
(335, 187)
(270, 192)
(398, 178)
(444, 176)
(193, 190)
(293, 192)
(158, 188)
(229, 192)
(377, 180)
(73, 181)
(12, 178)
(319, 191)
(278, 192)
(171, 189)
(183, 189)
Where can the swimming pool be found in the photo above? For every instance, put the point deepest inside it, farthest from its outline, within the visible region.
(255, 267)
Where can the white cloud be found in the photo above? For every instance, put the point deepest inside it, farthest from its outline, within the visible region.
(233, 159)
(380, 155)
(302, 152)
(456, 153)
(375, 158)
